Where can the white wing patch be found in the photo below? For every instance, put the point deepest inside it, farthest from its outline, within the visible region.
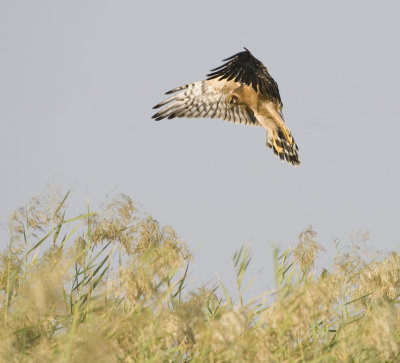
(203, 100)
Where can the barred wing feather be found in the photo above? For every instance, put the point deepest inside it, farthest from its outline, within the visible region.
(203, 100)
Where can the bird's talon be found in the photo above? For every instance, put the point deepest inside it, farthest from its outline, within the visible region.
(278, 148)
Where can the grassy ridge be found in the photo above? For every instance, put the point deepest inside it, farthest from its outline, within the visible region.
(111, 286)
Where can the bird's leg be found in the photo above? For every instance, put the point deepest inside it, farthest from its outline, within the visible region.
(287, 134)
(277, 148)
(272, 110)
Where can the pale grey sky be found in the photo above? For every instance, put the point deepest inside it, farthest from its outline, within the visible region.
(78, 80)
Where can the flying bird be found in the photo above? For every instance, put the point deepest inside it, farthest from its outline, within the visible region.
(242, 91)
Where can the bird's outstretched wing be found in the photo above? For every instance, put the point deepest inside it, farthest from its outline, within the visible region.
(204, 99)
(243, 67)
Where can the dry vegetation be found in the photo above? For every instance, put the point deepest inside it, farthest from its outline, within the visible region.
(111, 286)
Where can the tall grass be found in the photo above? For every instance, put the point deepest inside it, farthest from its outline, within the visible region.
(111, 286)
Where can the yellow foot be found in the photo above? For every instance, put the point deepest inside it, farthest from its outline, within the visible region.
(288, 136)
(278, 148)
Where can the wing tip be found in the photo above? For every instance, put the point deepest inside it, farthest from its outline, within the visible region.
(156, 117)
(176, 89)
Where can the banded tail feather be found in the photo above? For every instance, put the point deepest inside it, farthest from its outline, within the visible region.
(283, 148)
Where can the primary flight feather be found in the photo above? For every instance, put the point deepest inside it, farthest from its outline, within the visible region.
(242, 91)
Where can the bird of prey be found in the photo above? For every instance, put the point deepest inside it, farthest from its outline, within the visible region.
(242, 91)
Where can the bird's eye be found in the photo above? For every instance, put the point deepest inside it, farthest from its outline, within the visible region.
(233, 100)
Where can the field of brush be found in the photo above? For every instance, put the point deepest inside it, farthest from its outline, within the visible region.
(110, 286)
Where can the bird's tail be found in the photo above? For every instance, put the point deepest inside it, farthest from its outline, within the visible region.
(283, 145)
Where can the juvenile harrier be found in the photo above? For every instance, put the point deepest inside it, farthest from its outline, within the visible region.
(241, 91)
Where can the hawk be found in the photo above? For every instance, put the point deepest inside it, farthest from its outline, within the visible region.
(242, 91)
